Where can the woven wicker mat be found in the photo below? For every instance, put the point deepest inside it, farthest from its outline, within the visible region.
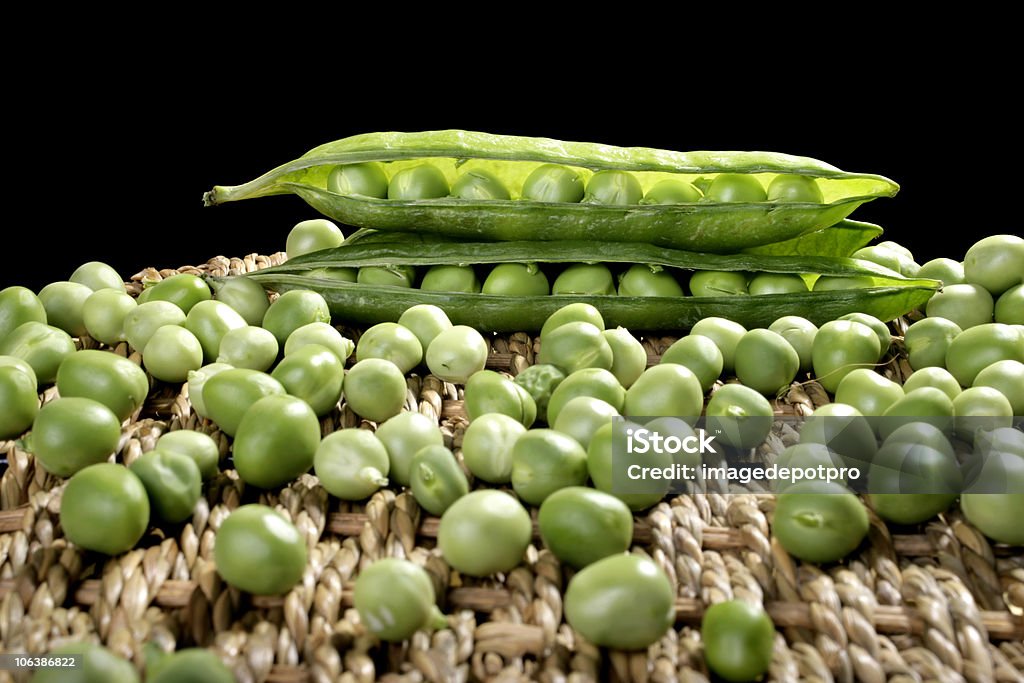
(932, 603)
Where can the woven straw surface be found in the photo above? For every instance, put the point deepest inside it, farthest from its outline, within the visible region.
(933, 603)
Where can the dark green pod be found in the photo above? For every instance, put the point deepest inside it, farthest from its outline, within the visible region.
(702, 225)
(890, 295)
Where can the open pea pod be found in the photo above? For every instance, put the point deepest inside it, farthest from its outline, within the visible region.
(889, 296)
(703, 225)
(841, 239)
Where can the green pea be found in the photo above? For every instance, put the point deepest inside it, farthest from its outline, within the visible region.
(389, 276)
(925, 404)
(209, 321)
(479, 185)
(294, 309)
(351, 464)
(886, 258)
(1009, 308)
(191, 664)
(698, 353)
(718, 283)
(1007, 377)
(578, 312)
(391, 342)
(610, 438)
(98, 665)
(738, 640)
(584, 278)
(725, 333)
(665, 390)
(228, 394)
(43, 347)
(275, 441)
(799, 332)
(868, 391)
(928, 340)
(17, 396)
(946, 270)
(593, 382)
(456, 353)
(844, 429)
(375, 389)
(197, 380)
(629, 358)
(183, 290)
(484, 532)
(516, 279)
(841, 346)
(445, 278)
(553, 183)
(248, 347)
(776, 283)
(63, 302)
(259, 551)
(735, 187)
(366, 179)
(418, 182)
(996, 263)
(487, 446)
(426, 321)
(104, 313)
(19, 305)
(574, 346)
(794, 188)
(489, 392)
(171, 353)
(322, 334)
(337, 274)
(97, 275)
(581, 417)
(671, 192)
(982, 408)
(808, 457)
(314, 374)
(436, 479)
(246, 296)
(739, 416)
(113, 380)
(173, 484)
(104, 508)
(200, 447)
(831, 283)
(819, 521)
(766, 362)
(976, 348)
(72, 433)
(141, 322)
(936, 377)
(966, 305)
(540, 380)
(313, 235)
(581, 525)
(644, 280)
(403, 436)
(613, 187)
(544, 461)
(395, 598)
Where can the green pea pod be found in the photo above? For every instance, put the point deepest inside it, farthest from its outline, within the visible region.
(705, 225)
(889, 296)
(841, 239)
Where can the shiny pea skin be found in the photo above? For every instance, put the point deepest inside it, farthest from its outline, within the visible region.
(629, 358)
(314, 374)
(735, 187)
(104, 507)
(489, 392)
(516, 279)
(925, 404)
(584, 278)
(844, 430)
(294, 309)
(395, 598)
(540, 380)
(725, 333)
(819, 522)
(594, 382)
(97, 275)
(775, 283)
(479, 185)
(391, 342)
(868, 391)
(976, 348)
(1007, 377)
(246, 296)
(352, 464)
(841, 346)
(927, 341)
(484, 532)
(63, 302)
(448, 278)
(18, 397)
(718, 283)
(765, 361)
(946, 270)
(581, 417)
(799, 332)
(197, 380)
(740, 416)
(666, 390)
(936, 377)
(436, 479)
(623, 602)
(146, 318)
(173, 483)
(553, 183)
(644, 280)
(995, 262)
(581, 525)
(794, 188)
(544, 461)
(403, 436)
(183, 290)
(171, 353)
(191, 664)
(312, 235)
(375, 389)
(275, 441)
(980, 408)
(418, 182)
(456, 353)
(322, 334)
(72, 433)
(366, 179)
(200, 447)
(967, 305)
(487, 447)
(880, 255)
(599, 466)
(103, 314)
(397, 276)
(97, 665)
(698, 353)
(831, 283)
(577, 312)
(671, 192)
(19, 305)
(1009, 308)
(738, 640)
(228, 394)
(42, 346)
(113, 380)
(248, 347)
(574, 346)
(259, 551)
(426, 321)
(613, 187)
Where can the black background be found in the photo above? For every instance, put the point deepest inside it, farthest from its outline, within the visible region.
(105, 166)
